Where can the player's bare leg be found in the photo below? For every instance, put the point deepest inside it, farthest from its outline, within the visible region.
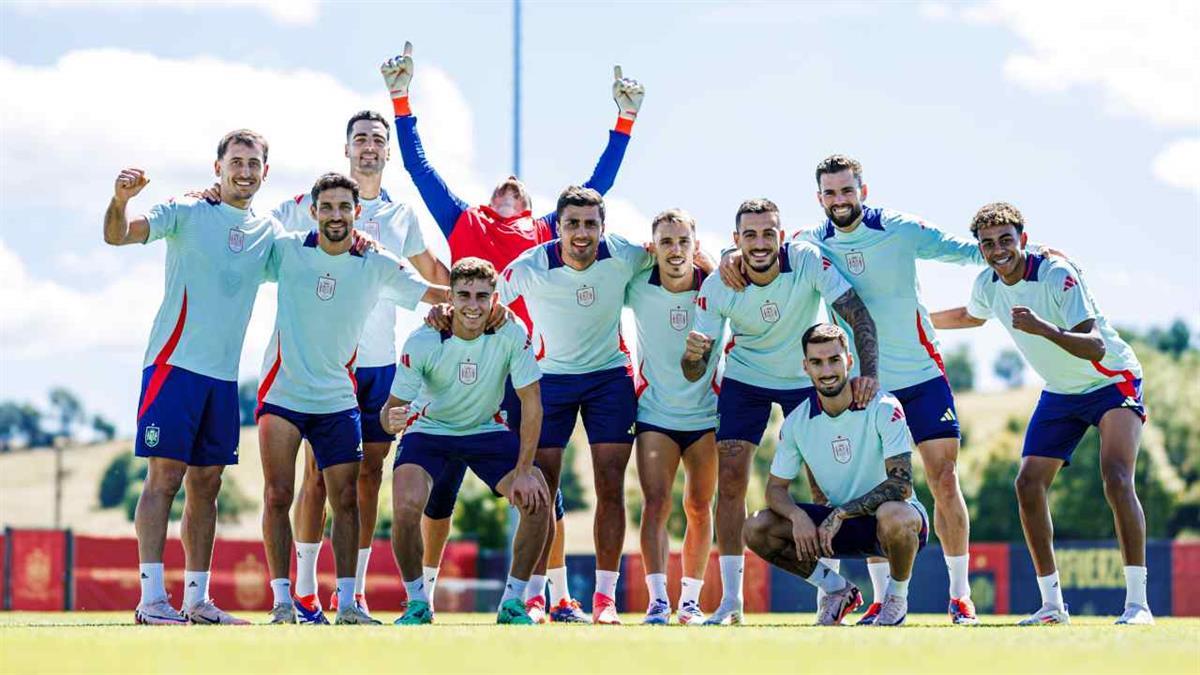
(898, 528)
(435, 532)
(1033, 482)
(370, 479)
(1120, 435)
(532, 531)
(341, 482)
(657, 461)
(278, 441)
(733, 477)
(198, 530)
(700, 470)
(939, 456)
(549, 461)
(164, 477)
(609, 461)
(411, 485)
(309, 530)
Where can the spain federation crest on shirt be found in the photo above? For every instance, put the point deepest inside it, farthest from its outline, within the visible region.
(151, 436)
(841, 449)
(325, 287)
(371, 227)
(855, 262)
(679, 318)
(585, 296)
(237, 240)
(468, 372)
(770, 312)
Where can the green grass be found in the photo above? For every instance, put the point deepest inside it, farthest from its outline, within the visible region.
(470, 643)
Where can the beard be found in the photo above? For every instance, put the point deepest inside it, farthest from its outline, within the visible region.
(855, 212)
(765, 266)
(832, 390)
(335, 237)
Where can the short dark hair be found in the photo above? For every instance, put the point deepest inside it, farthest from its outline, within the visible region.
(673, 216)
(472, 268)
(333, 180)
(995, 214)
(514, 185)
(369, 115)
(824, 332)
(838, 164)
(244, 137)
(757, 205)
(576, 195)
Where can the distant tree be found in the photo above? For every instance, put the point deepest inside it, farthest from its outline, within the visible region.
(247, 401)
(10, 423)
(1010, 367)
(68, 407)
(115, 481)
(960, 371)
(21, 419)
(568, 482)
(103, 427)
(1175, 340)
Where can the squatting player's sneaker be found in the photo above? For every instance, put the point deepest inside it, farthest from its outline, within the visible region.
(206, 612)
(308, 611)
(568, 611)
(604, 610)
(659, 613)
(159, 613)
(283, 612)
(836, 605)
(726, 615)
(868, 617)
(417, 613)
(1136, 615)
(355, 616)
(1048, 615)
(512, 612)
(535, 608)
(690, 614)
(892, 612)
(962, 612)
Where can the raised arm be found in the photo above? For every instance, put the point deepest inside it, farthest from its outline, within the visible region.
(852, 310)
(430, 268)
(441, 202)
(118, 231)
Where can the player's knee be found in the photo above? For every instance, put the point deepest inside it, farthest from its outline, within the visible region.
(346, 500)
(696, 509)
(1029, 486)
(610, 481)
(277, 497)
(755, 529)
(204, 486)
(369, 480)
(408, 507)
(896, 521)
(1117, 476)
(943, 481)
(164, 479)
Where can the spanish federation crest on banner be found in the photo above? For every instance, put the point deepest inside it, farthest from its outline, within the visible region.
(325, 287)
(468, 372)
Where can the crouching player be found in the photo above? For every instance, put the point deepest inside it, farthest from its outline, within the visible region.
(1092, 379)
(676, 419)
(860, 460)
(459, 375)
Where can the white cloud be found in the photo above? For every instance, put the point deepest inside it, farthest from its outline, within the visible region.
(1179, 164)
(302, 12)
(1141, 56)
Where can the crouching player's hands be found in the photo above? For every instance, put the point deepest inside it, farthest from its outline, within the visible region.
(529, 491)
(392, 419)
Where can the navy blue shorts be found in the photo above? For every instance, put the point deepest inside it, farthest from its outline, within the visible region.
(373, 387)
(336, 438)
(859, 537)
(1060, 420)
(743, 410)
(605, 399)
(187, 417)
(684, 439)
(929, 410)
(489, 455)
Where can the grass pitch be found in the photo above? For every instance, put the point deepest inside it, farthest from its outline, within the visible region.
(471, 643)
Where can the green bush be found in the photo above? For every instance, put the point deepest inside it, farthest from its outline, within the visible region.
(479, 515)
(231, 501)
(114, 482)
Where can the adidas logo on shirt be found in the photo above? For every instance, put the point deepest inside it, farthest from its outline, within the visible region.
(898, 414)
(948, 416)
(1068, 283)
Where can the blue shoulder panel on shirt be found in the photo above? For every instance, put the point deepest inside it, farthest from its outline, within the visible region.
(785, 260)
(1033, 265)
(552, 254)
(311, 240)
(602, 252)
(873, 218)
(383, 194)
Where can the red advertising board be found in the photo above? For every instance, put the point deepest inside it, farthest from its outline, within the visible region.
(38, 572)
(1185, 578)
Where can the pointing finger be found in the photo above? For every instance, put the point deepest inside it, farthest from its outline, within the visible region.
(617, 73)
(407, 48)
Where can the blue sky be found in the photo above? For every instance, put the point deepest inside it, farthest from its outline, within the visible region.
(1088, 120)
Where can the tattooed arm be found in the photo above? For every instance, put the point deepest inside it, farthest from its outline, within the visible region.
(866, 341)
(897, 487)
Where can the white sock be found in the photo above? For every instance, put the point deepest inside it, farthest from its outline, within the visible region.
(731, 579)
(1051, 590)
(345, 592)
(195, 588)
(558, 585)
(416, 589)
(282, 590)
(960, 584)
(826, 579)
(657, 585)
(690, 591)
(536, 587)
(896, 588)
(153, 589)
(833, 564)
(1135, 586)
(879, 579)
(360, 572)
(606, 583)
(513, 588)
(306, 568)
(430, 574)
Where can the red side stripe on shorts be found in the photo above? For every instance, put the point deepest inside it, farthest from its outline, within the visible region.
(270, 378)
(928, 344)
(1126, 385)
(161, 368)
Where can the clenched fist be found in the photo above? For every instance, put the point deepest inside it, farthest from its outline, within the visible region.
(697, 347)
(129, 183)
(628, 94)
(398, 72)
(392, 419)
